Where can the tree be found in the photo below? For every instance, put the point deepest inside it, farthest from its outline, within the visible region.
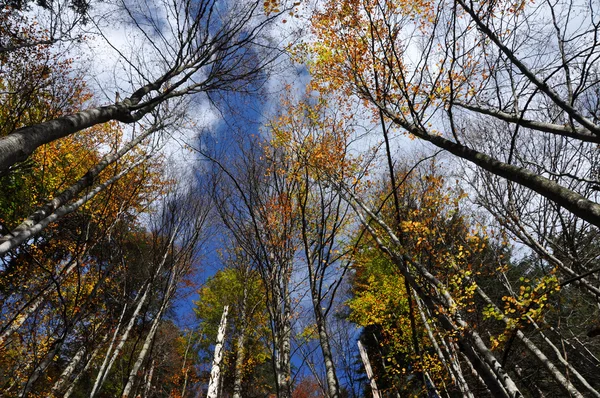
(240, 288)
(206, 49)
(472, 65)
(254, 200)
(470, 79)
(315, 140)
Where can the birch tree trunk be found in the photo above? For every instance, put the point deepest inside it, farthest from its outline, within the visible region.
(215, 372)
(560, 378)
(70, 193)
(149, 375)
(239, 364)
(365, 359)
(471, 344)
(145, 349)
(110, 359)
(66, 374)
(283, 334)
(183, 366)
(34, 229)
(83, 371)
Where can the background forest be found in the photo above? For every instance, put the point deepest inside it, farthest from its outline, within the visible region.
(322, 198)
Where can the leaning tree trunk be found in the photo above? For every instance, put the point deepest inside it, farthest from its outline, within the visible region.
(470, 342)
(215, 372)
(166, 299)
(365, 359)
(81, 372)
(33, 229)
(111, 357)
(86, 181)
(67, 373)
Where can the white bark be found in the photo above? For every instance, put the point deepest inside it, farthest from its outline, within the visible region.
(564, 361)
(451, 365)
(215, 372)
(83, 371)
(561, 379)
(183, 366)
(240, 349)
(108, 359)
(365, 359)
(68, 371)
(149, 379)
(490, 369)
(68, 194)
(32, 230)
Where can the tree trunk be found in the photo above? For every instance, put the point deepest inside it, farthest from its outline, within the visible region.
(68, 194)
(561, 379)
(183, 366)
(142, 355)
(365, 359)
(41, 367)
(490, 369)
(68, 371)
(32, 230)
(239, 364)
(333, 387)
(215, 372)
(21, 143)
(149, 379)
(574, 202)
(282, 359)
(171, 284)
(241, 340)
(108, 359)
(83, 371)
(450, 364)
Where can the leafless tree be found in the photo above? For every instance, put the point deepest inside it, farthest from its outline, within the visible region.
(188, 48)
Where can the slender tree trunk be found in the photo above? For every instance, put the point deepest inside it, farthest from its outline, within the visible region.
(171, 284)
(450, 364)
(33, 230)
(144, 351)
(105, 369)
(68, 371)
(70, 193)
(149, 379)
(284, 368)
(23, 314)
(561, 379)
(183, 366)
(365, 359)
(490, 369)
(110, 359)
(215, 372)
(19, 319)
(241, 340)
(82, 372)
(333, 387)
(41, 367)
(239, 364)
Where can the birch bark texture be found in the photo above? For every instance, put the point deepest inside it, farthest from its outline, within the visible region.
(215, 372)
(367, 364)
